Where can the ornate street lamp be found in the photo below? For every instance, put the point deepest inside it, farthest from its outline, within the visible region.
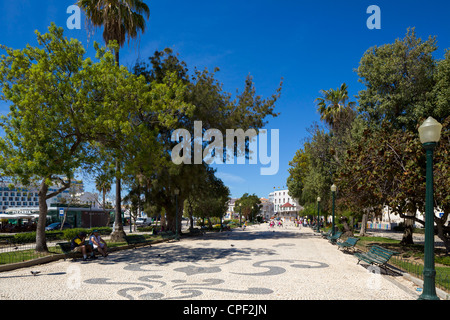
(430, 134)
(333, 192)
(318, 212)
(176, 191)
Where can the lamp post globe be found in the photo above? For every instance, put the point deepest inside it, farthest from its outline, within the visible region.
(429, 134)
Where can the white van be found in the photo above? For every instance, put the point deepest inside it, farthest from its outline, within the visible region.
(143, 221)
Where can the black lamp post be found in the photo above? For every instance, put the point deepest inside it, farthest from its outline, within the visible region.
(318, 212)
(429, 132)
(333, 193)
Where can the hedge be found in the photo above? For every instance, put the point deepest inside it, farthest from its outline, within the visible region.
(67, 234)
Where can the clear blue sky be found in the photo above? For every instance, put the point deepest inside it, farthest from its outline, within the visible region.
(313, 45)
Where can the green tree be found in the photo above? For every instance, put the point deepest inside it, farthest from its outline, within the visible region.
(50, 121)
(387, 167)
(210, 105)
(249, 206)
(298, 171)
(399, 80)
(441, 90)
(209, 196)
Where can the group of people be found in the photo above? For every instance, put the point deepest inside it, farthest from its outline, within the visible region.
(7, 227)
(87, 247)
(307, 222)
(272, 223)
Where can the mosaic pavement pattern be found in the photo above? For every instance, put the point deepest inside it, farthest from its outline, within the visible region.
(258, 263)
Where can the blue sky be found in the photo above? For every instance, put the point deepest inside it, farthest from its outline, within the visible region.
(312, 45)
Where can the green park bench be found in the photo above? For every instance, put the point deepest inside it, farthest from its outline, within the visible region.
(198, 231)
(348, 244)
(66, 249)
(335, 238)
(68, 252)
(326, 234)
(376, 256)
(167, 234)
(137, 239)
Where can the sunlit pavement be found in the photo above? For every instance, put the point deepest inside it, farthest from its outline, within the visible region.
(260, 263)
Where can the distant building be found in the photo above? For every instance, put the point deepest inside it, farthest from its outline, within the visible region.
(284, 206)
(18, 200)
(266, 208)
(231, 213)
(23, 197)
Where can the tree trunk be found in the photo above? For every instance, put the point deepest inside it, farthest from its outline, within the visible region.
(347, 231)
(443, 233)
(41, 242)
(363, 231)
(118, 234)
(191, 215)
(209, 223)
(104, 207)
(408, 232)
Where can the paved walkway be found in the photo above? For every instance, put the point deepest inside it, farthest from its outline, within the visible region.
(256, 264)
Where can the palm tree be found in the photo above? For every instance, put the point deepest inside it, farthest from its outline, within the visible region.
(122, 20)
(103, 184)
(334, 104)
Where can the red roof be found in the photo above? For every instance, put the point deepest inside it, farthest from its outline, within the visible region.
(287, 205)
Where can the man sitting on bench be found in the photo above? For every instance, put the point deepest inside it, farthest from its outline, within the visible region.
(78, 245)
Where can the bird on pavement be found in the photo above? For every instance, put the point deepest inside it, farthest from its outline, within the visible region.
(34, 273)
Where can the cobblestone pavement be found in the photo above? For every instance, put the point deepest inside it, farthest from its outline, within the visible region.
(255, 264)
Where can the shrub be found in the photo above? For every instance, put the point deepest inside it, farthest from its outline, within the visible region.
(25, 237)
(145, 229)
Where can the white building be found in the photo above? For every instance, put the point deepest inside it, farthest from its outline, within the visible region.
(284, 205)
(388, 220)
(266, 208)
(231, 214)
(15, 198)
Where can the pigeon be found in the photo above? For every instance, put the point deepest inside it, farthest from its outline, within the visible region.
(232, 245)
(34, 273)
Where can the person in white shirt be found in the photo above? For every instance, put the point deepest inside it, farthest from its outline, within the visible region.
(98, 243)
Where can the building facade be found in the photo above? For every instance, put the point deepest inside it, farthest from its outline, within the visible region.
(22, 202)
(284, 206)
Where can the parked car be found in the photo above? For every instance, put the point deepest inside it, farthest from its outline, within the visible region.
(57, 226)
(142, 222)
